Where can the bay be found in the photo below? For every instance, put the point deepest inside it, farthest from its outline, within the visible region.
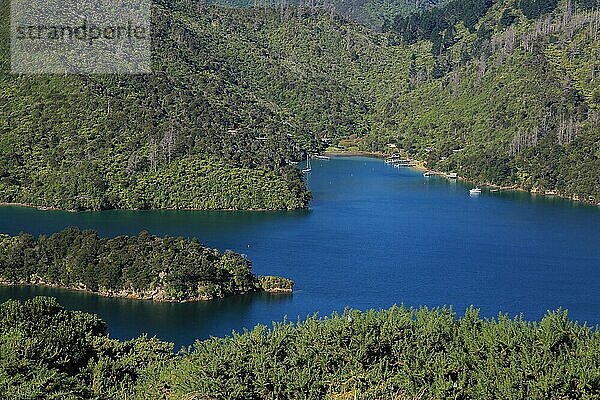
(374, 236)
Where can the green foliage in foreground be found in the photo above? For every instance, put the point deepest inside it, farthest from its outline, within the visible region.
(396, 354)
(142, 266)
(47, 352)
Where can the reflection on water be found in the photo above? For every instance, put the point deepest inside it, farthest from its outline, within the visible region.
(175, 321)
(15, 220)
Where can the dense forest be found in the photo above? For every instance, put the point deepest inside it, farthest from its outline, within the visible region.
(512, 98)
(372, 13)
(143, 266)
(47, 352)
(501, 91)
(93, 142)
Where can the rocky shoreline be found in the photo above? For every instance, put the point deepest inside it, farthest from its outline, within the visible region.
(158, 294)
(52, 208)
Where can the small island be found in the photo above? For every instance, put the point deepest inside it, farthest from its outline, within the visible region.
(139, 267)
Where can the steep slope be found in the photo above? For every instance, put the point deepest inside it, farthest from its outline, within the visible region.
(218, 97)
(514, 105)
(236, 93)
(372, 13)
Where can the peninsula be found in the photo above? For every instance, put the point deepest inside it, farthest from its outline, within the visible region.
(139, 267)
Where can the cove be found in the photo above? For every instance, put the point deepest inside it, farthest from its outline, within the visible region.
(374, 236)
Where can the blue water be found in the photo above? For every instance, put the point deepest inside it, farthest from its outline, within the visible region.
(374, 236)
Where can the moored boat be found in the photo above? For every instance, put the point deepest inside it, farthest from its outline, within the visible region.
(308, 167)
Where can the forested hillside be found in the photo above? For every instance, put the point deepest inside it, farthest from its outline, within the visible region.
(513, 99)
(372, 13)
(235, 94)
(90, 142)
(141, 267)
(49, 353)
(503, 92)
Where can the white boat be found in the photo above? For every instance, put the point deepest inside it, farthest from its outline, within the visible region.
(428, 174)
(308, 167)
(320, 157)
(475, 191)
(452, 175)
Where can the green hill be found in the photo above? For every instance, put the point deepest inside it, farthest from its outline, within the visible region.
(139, 267)
(478, 87)
(90, 142)
(239, 92)
(513, 101)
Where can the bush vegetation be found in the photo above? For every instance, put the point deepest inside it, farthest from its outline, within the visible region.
(47, 352)
(237, 93)
(143, 266)
(510, 98)
(276, 284)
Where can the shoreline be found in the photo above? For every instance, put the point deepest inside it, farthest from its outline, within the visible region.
(41, 208)
(420, 165)
(52, 208)
(153, 296)
(123, 294)
(342, 153)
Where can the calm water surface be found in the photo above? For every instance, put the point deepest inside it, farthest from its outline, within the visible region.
(374, 236)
